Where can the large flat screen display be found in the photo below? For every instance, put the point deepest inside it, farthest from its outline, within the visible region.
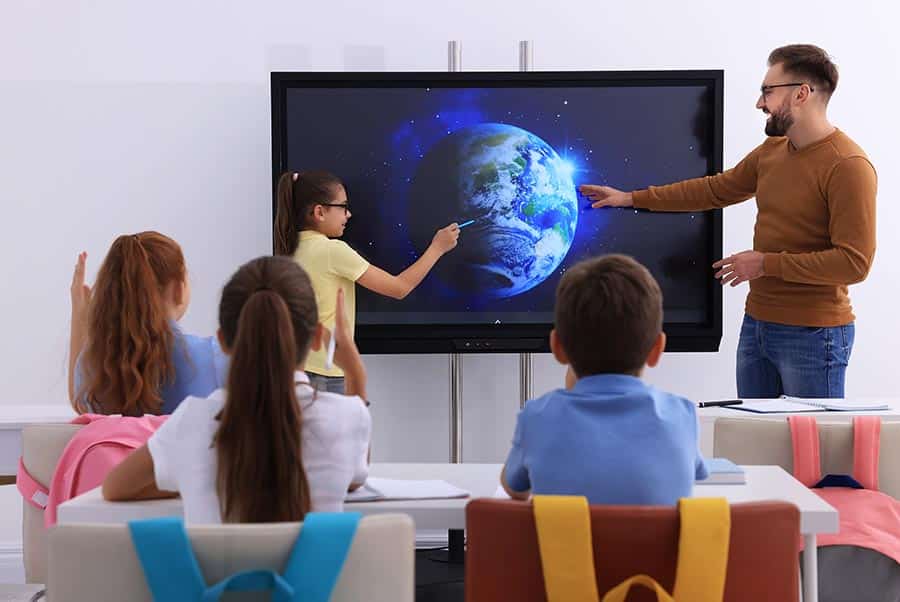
(504, 153)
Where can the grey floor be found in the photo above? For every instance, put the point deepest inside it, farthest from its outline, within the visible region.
(438, 581)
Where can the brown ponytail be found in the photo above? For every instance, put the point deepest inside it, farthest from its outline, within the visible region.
(298, 193)
(268, 318)
(128, 355)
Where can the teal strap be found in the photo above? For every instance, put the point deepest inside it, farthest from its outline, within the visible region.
(252, 581)
(319, 553)
(316, 560)
(170, 567)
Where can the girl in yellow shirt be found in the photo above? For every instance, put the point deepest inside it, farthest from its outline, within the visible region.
(311, 216)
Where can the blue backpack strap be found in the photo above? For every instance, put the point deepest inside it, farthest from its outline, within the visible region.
(316, 560)
(319, 553)
(169, 564)
(246, 581)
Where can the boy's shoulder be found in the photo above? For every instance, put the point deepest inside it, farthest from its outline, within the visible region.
(545, 401)
(672, 402)
(552, 405)
(540, 404)
(659, 397)
(683, 401)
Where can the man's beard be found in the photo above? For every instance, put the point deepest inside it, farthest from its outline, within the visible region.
(780, 122)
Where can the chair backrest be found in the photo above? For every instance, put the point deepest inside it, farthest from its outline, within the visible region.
(503, 559)
(761, 441)
(98, 562)
(42, 445)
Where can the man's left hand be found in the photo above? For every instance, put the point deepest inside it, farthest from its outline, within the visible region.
(740, 267)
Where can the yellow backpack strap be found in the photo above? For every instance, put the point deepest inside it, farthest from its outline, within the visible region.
(620, 592)
(702, 549)
(567, 555)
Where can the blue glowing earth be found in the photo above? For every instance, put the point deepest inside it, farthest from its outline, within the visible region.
(521, 196)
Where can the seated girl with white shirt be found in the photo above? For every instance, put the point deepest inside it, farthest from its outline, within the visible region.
(269, 447)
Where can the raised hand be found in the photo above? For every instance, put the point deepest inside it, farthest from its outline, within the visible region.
(740, 267)
(446, 238)
(81, 292)
(605, 196)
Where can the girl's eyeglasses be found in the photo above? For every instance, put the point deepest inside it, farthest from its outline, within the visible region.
(346, 206)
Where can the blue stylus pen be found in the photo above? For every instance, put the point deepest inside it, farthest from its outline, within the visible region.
(468, 223)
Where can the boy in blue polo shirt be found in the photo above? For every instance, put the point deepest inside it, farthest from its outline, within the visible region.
(609, 436)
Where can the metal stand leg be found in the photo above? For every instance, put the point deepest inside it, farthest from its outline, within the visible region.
(526, 55)
(454, 55)
(456, 410)
(810, 569)
(526, 363)
(526, 380)
(454, 63)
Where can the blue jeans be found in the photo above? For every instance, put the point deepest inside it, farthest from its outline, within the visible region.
(332, 384)
(799, 361)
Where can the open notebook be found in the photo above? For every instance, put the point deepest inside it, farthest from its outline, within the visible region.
(376, 489)
(794, 405)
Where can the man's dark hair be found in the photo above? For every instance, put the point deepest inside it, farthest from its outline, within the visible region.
(809, 63)
(608, 315)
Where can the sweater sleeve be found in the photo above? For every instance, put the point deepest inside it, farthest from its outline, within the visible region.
(851, 192)
(700, 194)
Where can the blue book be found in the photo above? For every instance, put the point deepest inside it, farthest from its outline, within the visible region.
(723, 471)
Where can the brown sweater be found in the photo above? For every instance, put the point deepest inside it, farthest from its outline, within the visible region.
(815, 223)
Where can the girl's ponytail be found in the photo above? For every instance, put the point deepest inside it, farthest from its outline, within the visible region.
(286, 223)
(268, 319)
(260, 466)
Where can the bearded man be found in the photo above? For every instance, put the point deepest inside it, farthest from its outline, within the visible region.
(815, 231)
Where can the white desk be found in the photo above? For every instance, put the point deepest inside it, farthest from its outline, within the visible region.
(13, 419)
(708, 417)
(763, 483)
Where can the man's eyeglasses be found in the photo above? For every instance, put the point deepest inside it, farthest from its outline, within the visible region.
(346, 206)
(764, 90)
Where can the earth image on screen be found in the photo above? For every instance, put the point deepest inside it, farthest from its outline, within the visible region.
(521, 196)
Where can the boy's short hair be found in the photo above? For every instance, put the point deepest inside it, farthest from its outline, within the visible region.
(608, 315)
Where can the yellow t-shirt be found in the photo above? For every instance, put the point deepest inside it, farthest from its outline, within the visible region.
(331, 265)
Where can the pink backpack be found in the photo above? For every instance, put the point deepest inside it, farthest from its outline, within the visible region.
(868, 518)
(88, 457)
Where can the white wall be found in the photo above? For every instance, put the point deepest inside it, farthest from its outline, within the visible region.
(122, 116)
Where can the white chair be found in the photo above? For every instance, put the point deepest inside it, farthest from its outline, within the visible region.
(761, 441)
(98, 562)
(42, 445)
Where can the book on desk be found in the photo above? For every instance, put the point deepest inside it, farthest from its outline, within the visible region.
(378, 490)
(723, 471)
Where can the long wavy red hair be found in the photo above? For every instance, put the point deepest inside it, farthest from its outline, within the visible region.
(128, 355)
